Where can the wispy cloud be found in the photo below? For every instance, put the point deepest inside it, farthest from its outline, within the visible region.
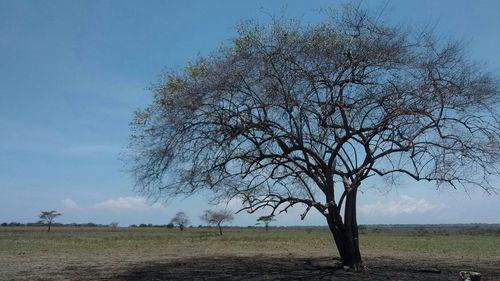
(233, 204)
(127, 203)
(405, 205)
(292, 216)
(18, 136)
(70, 204)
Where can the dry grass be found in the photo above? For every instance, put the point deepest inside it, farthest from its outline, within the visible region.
(32, 253)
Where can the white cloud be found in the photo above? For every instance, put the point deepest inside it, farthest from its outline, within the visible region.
(291, 217)
(70, 204)
(405, 205)
(127, 203)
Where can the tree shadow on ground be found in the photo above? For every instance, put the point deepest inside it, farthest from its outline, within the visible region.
(268, 268)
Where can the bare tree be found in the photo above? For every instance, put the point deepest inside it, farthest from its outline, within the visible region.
(292, 115)
(181, 220)
(48, 217)
(114, 225)
(266, 220)
(217, 217)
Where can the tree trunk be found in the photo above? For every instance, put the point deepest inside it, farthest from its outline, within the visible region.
(267, 226)
(351, 225)
(347, 246)
(345, 233)
(220, 229)
(49, 227)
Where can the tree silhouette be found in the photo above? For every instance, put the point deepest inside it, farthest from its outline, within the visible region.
(48, 217)
(292, 115)
(266, 220)
(181, 220)
(217, 217)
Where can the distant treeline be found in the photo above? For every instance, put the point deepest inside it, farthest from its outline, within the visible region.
(433, 228)
(170, 225)
(152, 225)
(89, 224)
(363, 228)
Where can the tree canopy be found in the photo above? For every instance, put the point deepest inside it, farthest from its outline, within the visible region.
(291, 114)
(266, 220)
(48, 217)
(217, 217)
(181, 220)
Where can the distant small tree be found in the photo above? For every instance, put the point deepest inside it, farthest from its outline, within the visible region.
(170, 225)
(217, 217)
(180, 220)
(48, 217)
(362, 228)
(266, 220)
(113, 225)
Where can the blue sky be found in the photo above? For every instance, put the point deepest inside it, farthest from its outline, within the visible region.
(73, 72)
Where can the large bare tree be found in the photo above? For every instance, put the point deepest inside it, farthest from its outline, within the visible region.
(292, 115)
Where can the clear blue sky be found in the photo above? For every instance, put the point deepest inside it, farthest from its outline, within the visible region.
(73, 72)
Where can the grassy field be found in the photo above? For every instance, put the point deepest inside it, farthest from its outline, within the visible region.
(130, 253)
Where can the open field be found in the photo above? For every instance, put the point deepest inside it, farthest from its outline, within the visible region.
(240, 254)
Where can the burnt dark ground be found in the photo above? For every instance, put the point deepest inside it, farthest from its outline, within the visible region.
(270, 268)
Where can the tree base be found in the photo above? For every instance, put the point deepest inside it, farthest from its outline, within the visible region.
(355, 268)
(469, 276)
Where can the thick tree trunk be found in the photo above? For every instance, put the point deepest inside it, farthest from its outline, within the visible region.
(220, 229)
(351, 225)
(49, 227)
(345, 233)
(348, 247)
